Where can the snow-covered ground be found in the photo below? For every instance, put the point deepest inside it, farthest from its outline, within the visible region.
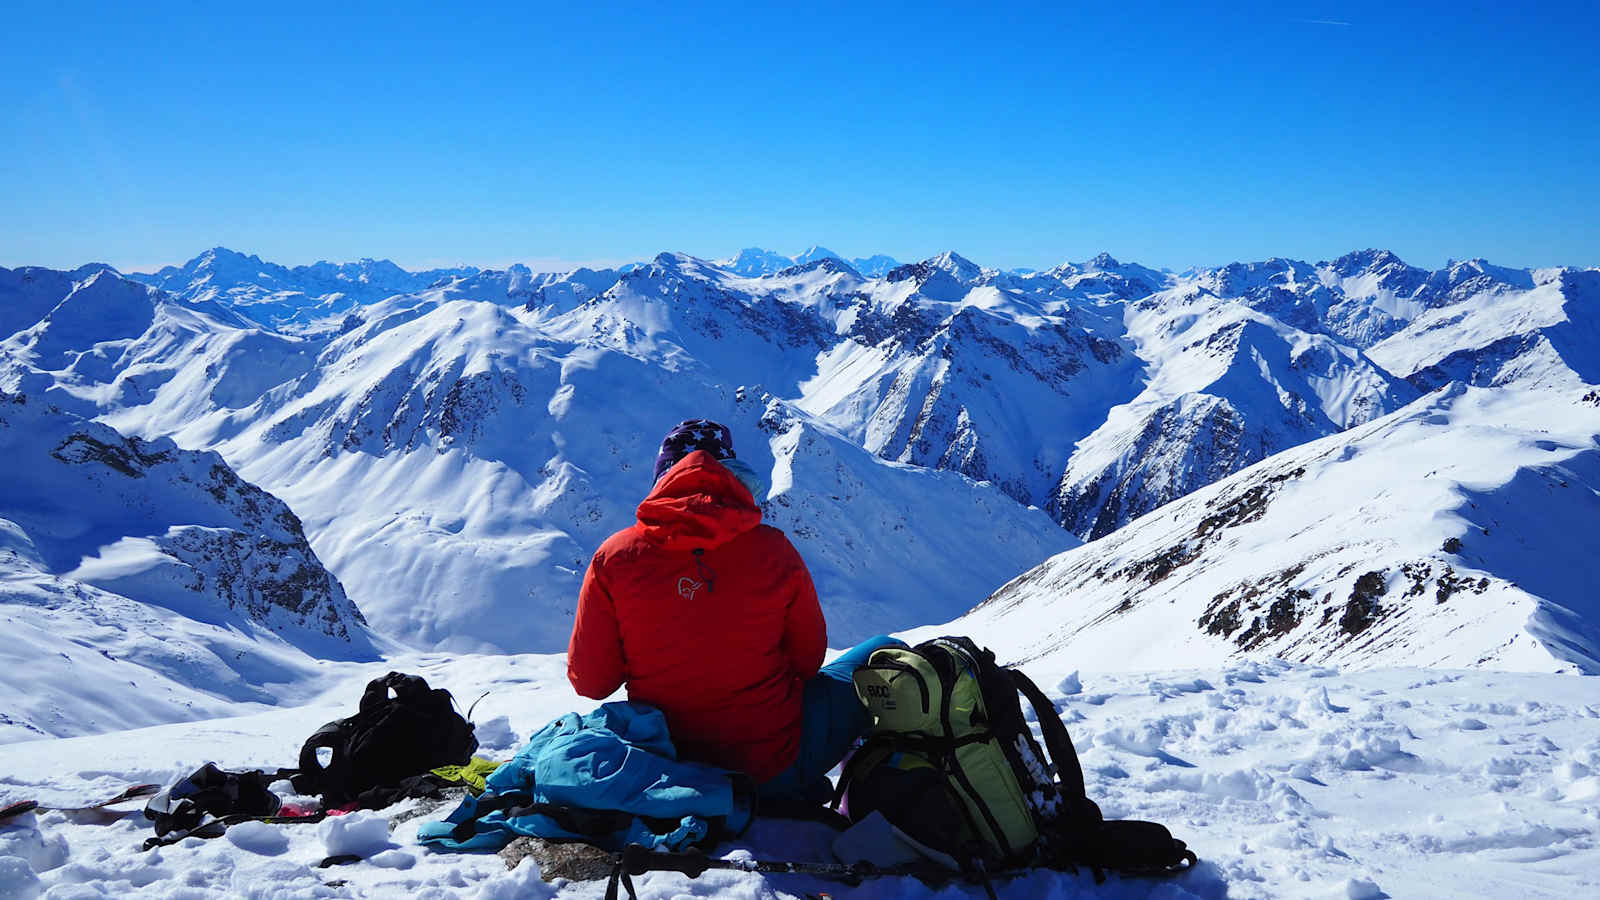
(1353, 463)
(1288, 781)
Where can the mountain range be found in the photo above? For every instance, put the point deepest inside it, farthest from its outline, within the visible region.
(1241, 446)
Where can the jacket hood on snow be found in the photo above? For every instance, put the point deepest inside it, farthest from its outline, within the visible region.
(697, 504)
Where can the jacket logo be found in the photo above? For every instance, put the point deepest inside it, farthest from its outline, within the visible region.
(688, 587)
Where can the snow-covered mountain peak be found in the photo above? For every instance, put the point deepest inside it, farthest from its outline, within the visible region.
(1366, 260)
(223, 256)
(1101, 278)
(945, 278)
(874, 266)
(368, 271)
(1374, 275)
(303, 298)
(1461, 279)
(1244, 278)
(754, 261)
(832, 265)
(680, 265)
(814, 253)
(958, 266)
(102, 308)
(221, 267)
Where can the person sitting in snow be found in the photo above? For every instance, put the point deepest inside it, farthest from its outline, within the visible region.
(710, 616)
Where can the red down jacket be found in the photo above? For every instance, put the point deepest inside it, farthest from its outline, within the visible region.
(707, 615)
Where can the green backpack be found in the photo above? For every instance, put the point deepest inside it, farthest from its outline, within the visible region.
(952, 764)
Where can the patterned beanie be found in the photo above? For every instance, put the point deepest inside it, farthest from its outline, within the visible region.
(689, 436)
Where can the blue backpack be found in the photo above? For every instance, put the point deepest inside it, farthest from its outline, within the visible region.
(609, 778)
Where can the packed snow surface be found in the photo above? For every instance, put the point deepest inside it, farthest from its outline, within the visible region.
(1287, 780)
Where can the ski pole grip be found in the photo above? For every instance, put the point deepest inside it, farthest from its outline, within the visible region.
(638, 859)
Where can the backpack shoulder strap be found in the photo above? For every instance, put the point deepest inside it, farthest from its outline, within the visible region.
(315, 778)
(1059, 744)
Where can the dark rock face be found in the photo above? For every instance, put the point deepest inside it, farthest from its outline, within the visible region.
(1214, 444)
(1362, 609)
(572, 861)
(1273, 608)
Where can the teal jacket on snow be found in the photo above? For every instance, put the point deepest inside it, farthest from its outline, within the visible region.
(619, 760)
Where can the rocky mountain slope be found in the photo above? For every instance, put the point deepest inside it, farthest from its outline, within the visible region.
(122, 559)
(1454, 533)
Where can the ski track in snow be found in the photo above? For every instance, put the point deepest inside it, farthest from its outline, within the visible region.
(1288, 781)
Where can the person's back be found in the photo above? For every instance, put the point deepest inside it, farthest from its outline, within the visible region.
(711, 617)
(707, 615)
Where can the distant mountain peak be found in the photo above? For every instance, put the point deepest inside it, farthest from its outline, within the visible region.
(957, 265)
(1370, 258)
(825, 263)
(815, 252)
(220, 252)
(754, 261)
(875, 265)
(672, 259)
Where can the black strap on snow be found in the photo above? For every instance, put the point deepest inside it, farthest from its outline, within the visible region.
(206, 826)
(591, 822)
(211, 827)
(636, 859)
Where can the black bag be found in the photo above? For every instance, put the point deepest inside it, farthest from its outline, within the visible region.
(195, 806)
(388, 741)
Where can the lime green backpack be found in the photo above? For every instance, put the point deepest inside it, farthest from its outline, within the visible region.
(953, 765)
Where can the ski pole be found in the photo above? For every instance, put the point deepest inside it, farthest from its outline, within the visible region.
(637, 859)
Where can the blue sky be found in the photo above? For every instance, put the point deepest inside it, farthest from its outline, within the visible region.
(140, 134)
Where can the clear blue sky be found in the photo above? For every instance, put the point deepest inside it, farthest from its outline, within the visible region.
(142, 135)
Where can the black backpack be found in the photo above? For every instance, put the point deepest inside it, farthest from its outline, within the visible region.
(939, 777)
(388, 740)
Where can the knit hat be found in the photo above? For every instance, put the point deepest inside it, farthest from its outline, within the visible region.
(691, 435)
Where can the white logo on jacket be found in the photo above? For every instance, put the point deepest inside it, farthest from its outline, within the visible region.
(688, 587)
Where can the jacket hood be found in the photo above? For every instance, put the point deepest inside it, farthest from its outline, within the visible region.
(697, 504)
